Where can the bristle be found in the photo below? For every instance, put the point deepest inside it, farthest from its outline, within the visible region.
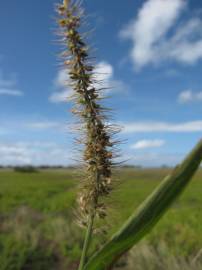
(66, 3)
(98, 153)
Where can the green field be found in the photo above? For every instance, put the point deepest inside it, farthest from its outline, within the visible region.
(37, 218)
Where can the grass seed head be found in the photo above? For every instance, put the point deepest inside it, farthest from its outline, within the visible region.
(97, 154)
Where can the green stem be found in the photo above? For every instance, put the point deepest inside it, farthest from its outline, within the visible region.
(86, 242)
(90, 226)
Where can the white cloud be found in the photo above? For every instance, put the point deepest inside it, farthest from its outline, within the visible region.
(194, 126)
(13, 154)
(103, 72)
(188, 96)
(50, 153)
(103, 78)
(61, 96)
(143, 144)
(104, 75)
(62, 78)
(186, 44)
(10, 92)
(149, 33)
(35, 153)
(62, 91)
(153, 21)
(8, 87)
(42, 125)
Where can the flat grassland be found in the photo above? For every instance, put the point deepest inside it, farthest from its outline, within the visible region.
(37, 214)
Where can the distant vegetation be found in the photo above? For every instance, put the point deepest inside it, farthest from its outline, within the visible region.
(38, 232)
(26, 169)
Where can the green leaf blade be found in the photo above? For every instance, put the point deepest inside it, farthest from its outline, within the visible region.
(148, 214)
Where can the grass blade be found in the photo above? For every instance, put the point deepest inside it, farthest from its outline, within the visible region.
(148, 214)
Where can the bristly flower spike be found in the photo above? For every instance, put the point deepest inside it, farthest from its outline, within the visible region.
(98, 153)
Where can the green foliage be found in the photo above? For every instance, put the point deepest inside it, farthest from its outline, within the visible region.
(26, 169)
(46, 217)
(45, 191)
(147, 215)
(19, 254)
(145, 256)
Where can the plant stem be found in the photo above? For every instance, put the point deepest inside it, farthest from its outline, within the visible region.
(89, 230)
(98, 144)
(86, 242)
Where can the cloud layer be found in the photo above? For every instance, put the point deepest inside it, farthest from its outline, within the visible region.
(103, 78)
(63, 92)
(35, 153)
(151, 35)
(10, 92)
(189, 96)
(144, 144)
(194, 126)
(8, 87)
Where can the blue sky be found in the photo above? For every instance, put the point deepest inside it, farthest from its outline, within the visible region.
(150, 52)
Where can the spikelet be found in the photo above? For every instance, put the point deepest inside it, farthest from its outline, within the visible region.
(66, 4)
(98, 145)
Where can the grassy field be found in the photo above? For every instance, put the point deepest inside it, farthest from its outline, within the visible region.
(38, 232)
